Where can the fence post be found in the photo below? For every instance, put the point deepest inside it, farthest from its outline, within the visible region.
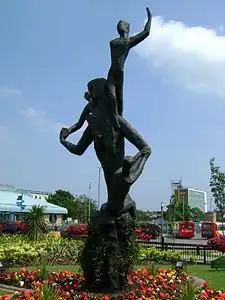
(204, 254)
(197, 250)
(162, 243)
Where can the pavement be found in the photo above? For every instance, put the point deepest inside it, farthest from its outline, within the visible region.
(194, 241)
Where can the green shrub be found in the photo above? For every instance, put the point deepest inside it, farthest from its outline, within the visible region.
(20, 251)
(17, 250)
(152, 254)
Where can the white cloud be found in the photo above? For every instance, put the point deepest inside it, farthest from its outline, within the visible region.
(191, 56)
(10, 92)
(221, 28)
(40, 120)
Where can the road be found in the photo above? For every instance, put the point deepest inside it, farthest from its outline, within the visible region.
(197, 240)
(193, 241)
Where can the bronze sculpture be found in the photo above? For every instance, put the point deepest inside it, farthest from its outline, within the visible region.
(107, 129)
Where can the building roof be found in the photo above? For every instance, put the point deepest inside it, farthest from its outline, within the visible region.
(8, 199)
(25, 191)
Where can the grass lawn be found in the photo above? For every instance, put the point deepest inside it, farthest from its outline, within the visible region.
(215, 279)
(2, 292)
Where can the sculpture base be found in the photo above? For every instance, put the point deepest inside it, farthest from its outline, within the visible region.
(108, 252)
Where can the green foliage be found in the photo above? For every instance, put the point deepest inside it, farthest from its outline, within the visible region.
(77, 206)
(19, 250)
(48, 292)
(189, 291)
(36, 222)
(174, 212)
(103, 248)
(152, 254)
(143, 216)
(175, 209)
(217, 184)
(197, 214)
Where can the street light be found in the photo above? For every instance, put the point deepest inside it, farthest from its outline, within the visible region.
(89, 201)
(182, 197)
(162, 238)
(99, 182)
(162, 205)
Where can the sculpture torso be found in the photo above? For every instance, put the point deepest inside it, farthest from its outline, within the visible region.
(119, 50)
(99, 118)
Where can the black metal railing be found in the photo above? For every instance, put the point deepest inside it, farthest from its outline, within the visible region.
(199, 253)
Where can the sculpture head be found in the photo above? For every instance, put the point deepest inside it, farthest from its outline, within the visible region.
(96, 88)
(127, 164)
(123, 28)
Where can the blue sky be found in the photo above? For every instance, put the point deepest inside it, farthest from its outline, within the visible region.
(173, 94)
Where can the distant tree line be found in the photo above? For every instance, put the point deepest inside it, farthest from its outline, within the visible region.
(77, 206)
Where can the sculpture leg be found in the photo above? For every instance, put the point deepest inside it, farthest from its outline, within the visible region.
(133, 136)
(115, 90)
(84, 142)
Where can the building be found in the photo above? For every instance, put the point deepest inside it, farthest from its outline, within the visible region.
(10, 211)
(36, 194)
(192, 197)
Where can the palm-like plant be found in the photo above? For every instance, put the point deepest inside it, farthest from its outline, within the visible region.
(47, 292)
(36, 222)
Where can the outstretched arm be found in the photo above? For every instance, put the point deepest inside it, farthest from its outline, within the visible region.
(138, 38)
(81, 121)
(81, 146)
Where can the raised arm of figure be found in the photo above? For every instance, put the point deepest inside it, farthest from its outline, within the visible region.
(138, 38)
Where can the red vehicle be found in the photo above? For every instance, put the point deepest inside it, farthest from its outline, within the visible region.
(186, 230)
(209, 230)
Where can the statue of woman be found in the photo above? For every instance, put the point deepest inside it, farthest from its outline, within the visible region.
(108, 140)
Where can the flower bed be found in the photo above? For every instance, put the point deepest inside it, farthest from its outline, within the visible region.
(142, 284)
(217, 243)
(144, 232)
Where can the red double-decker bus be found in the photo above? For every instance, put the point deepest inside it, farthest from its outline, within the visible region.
(186, 230)
(208, 230)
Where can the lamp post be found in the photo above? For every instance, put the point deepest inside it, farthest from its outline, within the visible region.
(89, 201)
(162, 205)
(162, 238)
(182, 197)
(99, 185)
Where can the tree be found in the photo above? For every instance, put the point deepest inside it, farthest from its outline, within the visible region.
(177, 212)
(197, 214)
(83, 203)
(217, 184)
(64, 199)
(143, 216)
(77, 206)
(36, 222)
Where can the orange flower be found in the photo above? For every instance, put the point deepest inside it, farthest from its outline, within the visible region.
(145, 271)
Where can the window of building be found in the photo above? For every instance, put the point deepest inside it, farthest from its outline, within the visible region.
(52, 219)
